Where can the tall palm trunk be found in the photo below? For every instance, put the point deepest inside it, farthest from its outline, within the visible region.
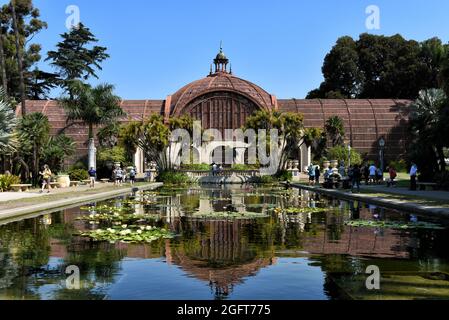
(19, 57)
(3, 62)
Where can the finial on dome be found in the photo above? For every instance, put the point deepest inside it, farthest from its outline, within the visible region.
(221, 61)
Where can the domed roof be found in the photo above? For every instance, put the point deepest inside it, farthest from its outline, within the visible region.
(220, 81)
(221, 56)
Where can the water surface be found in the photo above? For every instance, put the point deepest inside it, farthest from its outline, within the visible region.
(279, 256)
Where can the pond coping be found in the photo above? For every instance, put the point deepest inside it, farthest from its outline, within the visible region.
(403, 205)
(6, 216)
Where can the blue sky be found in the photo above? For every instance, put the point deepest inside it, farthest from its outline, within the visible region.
(156, 47)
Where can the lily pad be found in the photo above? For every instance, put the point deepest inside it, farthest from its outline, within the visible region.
(229, 215)
(393, 224)
(128, 235)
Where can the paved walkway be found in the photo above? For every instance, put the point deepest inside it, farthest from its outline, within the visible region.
(12, 196)
(401, 200)
(436, 195)
(65, 199)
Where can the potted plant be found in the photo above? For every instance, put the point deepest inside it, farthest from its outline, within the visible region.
(326, 164)
(63, 179)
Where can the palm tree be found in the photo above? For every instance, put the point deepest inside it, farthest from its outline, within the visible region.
(33, 133)
(427, 122)
(335, 130)
(7, 123)
(92, 107)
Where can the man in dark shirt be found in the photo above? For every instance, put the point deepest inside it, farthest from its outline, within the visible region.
(356, 176)
(317, 175)
(92, 177)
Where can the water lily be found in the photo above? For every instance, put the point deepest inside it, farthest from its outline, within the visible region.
(124, 226)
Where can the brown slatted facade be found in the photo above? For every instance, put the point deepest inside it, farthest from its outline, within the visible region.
(225, 102)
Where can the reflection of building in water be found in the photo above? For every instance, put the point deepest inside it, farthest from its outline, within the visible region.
(219, 252)
(336, 238)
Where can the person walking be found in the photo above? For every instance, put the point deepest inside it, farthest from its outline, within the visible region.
(393, 174)
(311, 171)
(317, 175)
(46, 177)
(379, 176)
(356, 177)
(413, 174)
(119, 176)
(92, 177)
(366, 173)
(372, 174)
(132, 176)
(214, 169)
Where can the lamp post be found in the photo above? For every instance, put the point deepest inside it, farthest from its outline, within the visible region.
(349, 155)
(381, 153)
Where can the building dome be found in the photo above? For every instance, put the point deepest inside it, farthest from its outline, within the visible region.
(220, 82)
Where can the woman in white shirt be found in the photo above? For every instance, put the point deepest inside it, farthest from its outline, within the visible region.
(413, 174)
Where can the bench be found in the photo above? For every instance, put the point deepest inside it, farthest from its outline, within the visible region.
(424, 185)
(75, 183)
(104, 180)
(55, 185)
(20, 187)
(86, 181)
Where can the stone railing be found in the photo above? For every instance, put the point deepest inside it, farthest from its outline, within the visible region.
(224, 176)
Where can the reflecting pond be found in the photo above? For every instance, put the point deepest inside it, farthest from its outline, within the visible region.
(243, 242)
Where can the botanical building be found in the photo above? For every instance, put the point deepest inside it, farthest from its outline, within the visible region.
(222, 101)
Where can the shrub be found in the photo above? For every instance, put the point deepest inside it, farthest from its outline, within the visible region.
(80, 164)
(244, 167)
(116, 154)
(7, 180)
(442, 179)
(78, 174)
(400, 165)
(267, 179)
(340, 153)
(171, 177)
(196, 167)
(284, 175)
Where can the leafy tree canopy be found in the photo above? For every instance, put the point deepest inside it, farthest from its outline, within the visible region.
(377, 67)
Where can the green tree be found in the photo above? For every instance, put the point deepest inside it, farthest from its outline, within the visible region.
(33, 133)
(341, 69)
(427, 124)
(56, 150)
(341, 153)
(290, 130)
(108, 136)
(315, 138)
(377, 67)
(76, 58)
(335, 130)
(93, 107)
(18, 28)
(127, 138)
(153, 137)
(7, 124)
(39, 83)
